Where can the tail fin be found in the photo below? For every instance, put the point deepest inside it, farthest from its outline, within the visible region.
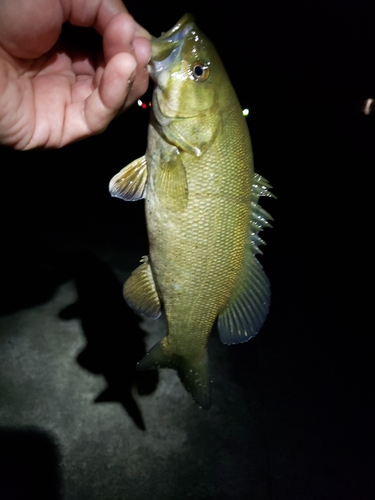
(194, 374)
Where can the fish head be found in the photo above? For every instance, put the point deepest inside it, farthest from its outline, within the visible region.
(190, 82)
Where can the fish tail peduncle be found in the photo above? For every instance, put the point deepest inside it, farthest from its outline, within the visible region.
(193, 373)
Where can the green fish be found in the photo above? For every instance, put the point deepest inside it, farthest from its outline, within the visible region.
(203, 218)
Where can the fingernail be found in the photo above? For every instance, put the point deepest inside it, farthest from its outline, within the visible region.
(131, 79)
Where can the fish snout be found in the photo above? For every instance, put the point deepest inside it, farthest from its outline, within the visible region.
(167, 48)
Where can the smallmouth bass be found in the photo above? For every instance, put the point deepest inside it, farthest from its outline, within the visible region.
(201, 202)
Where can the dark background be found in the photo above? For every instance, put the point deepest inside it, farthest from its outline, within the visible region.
(292, 412)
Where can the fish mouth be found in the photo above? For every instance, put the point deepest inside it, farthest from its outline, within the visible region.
(166, 48)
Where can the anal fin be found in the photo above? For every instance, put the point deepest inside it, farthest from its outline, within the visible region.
(140, 291)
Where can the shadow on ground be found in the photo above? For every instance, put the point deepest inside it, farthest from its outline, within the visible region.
(115, 343)
(29, 465)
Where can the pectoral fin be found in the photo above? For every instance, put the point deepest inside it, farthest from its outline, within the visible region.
(194, 374)
(171, 183)
(243, 316)
(130, 183)
(140, 291)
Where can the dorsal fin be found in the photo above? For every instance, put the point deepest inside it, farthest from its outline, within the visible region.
(259, 217)
(248, 306)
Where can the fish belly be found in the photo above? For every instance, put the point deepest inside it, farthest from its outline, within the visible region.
(197, 252)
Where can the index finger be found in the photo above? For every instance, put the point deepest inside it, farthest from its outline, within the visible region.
(97, 13)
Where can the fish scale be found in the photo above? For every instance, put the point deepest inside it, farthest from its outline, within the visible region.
(201, 209)
(201, 242)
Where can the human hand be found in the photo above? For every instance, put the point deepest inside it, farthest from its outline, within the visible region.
(51, 95)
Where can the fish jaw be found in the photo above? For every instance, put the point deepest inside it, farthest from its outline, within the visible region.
(176, 57)
(185, 106)
(167, 48)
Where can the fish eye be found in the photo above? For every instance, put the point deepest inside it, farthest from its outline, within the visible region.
(200, 71)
